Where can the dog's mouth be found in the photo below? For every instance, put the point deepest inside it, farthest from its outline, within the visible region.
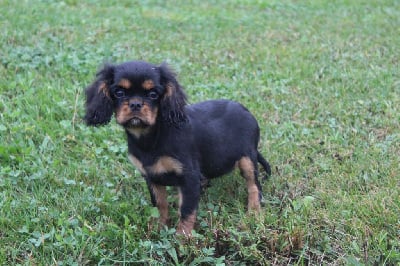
(135, 122)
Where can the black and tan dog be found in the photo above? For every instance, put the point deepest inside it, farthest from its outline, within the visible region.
(174, 144)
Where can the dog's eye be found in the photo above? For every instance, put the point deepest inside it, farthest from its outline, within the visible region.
(119, 93)
(153, 95)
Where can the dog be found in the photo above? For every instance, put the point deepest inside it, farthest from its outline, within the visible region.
(172, 143)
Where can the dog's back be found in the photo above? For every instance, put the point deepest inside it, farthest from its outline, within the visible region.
(224, 131)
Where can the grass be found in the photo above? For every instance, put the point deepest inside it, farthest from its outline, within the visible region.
(322, 79)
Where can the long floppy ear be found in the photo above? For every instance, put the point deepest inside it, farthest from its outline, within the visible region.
(174, 99)
(99, 105)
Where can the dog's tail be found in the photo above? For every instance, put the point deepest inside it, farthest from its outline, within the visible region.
(265, 165)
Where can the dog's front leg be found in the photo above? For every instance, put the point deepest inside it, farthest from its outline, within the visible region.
(189, 196)
(159, 199)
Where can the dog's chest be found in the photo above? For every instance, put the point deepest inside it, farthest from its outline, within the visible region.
(157, 166)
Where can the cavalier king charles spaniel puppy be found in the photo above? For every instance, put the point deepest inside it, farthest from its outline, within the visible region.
(172, 143)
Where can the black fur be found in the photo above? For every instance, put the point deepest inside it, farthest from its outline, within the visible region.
(171, 143)
(172, 107)
(99, 107)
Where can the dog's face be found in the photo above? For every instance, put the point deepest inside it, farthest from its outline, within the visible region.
(138, 93)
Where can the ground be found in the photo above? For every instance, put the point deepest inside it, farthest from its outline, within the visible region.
(322, 79)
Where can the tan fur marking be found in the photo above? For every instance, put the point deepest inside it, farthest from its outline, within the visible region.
(104, 89)
(247, 170)
(148, 115)
(124, 83)
(253, 200)
(186, 226)
(166, 164)
(160, 193)
(124, 113)
(138, 165)
(148, 84)
(137, 132)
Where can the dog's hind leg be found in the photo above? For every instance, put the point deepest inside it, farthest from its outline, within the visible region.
(248, 169)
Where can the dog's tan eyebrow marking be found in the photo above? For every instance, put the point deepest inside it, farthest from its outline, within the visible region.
(166, 164)
(148, 84)
(124, 83)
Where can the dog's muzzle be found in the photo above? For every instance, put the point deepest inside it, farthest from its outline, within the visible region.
(136, 104)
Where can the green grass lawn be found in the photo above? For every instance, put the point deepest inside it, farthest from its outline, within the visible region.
(321, 77)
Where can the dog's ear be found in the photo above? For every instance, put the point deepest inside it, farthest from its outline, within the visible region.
(99, 105)
(174, 99)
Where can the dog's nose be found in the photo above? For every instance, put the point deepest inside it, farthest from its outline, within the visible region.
(135, 104)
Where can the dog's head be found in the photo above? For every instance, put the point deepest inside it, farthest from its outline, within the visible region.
(139, 93)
